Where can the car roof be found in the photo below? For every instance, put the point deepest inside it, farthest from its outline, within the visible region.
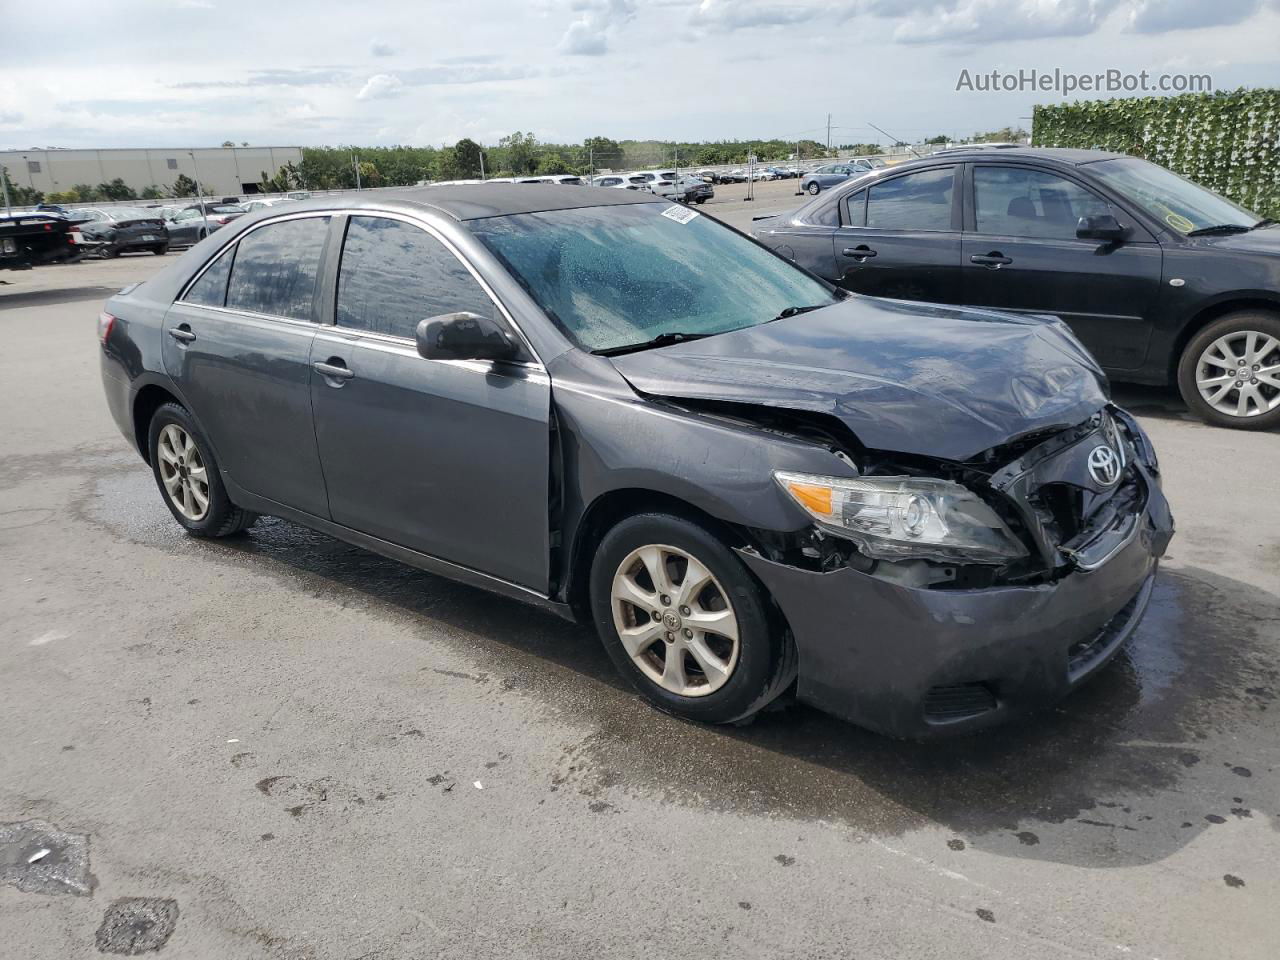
(1062, 155)
(479, 201)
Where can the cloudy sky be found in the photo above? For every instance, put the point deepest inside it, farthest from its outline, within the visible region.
(197, 72)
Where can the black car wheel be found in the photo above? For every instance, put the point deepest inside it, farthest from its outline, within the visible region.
(110, 252)
(814, 188)
(685, 622)
(1229, 374)
(188, 477)
(160, 249)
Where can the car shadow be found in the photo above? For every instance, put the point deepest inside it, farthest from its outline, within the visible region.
(1129, 769)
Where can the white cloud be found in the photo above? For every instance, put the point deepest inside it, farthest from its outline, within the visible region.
(728, 15)
(380, 49)
(1161, 16)
(588, 36)
(381, 86)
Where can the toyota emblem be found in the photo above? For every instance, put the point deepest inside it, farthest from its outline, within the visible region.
(1104, 465)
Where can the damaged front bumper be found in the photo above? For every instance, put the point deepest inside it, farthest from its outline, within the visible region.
(910, 661)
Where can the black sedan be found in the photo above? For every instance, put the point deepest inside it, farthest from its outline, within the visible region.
(1163, 280)
(112, 230)
(920, 518)
(194, 223)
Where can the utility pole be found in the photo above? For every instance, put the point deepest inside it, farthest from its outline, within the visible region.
(355, 161)
(799, 192)
(200, 192)
(4, 184)
(828, 134)
(482, 162)
(591, 161)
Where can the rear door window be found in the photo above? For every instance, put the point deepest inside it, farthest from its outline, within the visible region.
(211, 289)
(276, 267)
(394, 274)
(916, 201)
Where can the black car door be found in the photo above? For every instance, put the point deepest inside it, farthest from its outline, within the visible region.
(1020, 252)
(900, 237)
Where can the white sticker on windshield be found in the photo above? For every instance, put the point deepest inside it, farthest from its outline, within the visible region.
(679, 214)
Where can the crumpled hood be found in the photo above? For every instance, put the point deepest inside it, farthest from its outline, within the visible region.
(914, 378)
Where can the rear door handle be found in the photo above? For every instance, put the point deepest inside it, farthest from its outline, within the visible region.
(182, 333)
(334, 368)
(860, 252)
(994, 260)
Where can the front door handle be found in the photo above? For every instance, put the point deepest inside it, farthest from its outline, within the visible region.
(334, 368)
(992, 261)
(182, 333)
(860, 253)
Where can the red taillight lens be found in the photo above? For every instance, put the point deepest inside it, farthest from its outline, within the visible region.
(105, 322)
(222, 221)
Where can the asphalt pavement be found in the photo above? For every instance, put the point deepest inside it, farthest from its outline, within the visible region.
(281, 746)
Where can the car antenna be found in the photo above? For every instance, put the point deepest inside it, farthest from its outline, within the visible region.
(893, 138)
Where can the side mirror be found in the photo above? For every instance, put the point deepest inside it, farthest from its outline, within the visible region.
(464, 336)
(1102, 227)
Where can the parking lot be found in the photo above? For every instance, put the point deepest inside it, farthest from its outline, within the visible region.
(315, 752)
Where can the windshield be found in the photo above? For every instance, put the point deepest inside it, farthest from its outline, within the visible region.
(1175, 202)
(615, 276)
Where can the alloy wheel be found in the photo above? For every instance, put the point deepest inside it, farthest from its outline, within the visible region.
(1239, 374)
(675, 620)
(182, 471)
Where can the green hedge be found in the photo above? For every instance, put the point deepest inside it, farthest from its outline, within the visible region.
(1226, 141)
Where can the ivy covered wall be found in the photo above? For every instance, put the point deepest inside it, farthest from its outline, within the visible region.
(1226, 141)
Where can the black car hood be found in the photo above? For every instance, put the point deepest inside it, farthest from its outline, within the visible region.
(914, 378)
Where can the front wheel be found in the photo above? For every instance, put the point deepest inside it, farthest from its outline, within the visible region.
(1229, 374)
(187, 475)
(814, 189)
(685, 622)
(160, 249)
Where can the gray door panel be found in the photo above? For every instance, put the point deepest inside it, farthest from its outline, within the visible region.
(247, 380)
(447, 458)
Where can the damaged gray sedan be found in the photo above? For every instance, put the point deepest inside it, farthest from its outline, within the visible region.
(918, 518)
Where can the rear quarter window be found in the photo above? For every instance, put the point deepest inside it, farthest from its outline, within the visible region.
(276, 267)
(211, 289)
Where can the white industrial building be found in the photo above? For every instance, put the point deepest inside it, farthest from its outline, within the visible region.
(219, 170)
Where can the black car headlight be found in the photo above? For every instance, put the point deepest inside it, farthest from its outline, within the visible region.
(897, 518)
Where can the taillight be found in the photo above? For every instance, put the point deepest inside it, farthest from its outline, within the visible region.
(105, 323)
(75, 236)
(222, 221)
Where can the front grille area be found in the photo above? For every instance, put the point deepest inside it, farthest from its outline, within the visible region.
(960, 701)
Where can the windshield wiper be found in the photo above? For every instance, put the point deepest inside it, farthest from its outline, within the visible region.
(1268, 222)
(661, 340)
(1219, 228)
(793, 311)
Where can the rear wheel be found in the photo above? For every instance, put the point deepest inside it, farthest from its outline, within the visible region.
(685, 622)
(1229, 374)
(814, 189)
(110, 252)
(188, 477)
(160, 249)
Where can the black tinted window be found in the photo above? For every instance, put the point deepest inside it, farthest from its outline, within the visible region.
(1016, 202)
(211, 289)
(394, 274)
(918, 201)
(276, 267)
(855, 210)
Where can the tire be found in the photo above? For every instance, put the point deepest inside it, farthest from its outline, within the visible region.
(110, 253)
(219, 516)
(814, 189)
(160, 249)
(755, 670)
(700, 200)
(1221, 345)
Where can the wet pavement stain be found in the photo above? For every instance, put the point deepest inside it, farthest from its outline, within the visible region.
(1197, 672)
(956, 844)
(1232, 881)
(984, 914)
(136, 925)
(37, 857)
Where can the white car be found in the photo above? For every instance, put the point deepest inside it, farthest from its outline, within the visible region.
(253, 206)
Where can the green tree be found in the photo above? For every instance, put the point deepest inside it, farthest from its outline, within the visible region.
(520, 153)
(939, 139)
(602, 152)
(228, 143)
(184, 186)
(63, 196)
(152, 193)
(86, 193)
(19, 195)
(466, 158)
(117, 189)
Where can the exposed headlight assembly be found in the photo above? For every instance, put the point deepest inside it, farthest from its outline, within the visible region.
(897, 518)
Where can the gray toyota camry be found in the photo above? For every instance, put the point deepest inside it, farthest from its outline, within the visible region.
(919, 518)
